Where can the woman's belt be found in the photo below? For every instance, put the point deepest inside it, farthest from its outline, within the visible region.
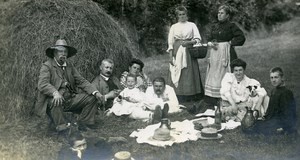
(183, 39)
(218, 41)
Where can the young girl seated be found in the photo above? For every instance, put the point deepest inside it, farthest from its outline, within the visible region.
(131, 102)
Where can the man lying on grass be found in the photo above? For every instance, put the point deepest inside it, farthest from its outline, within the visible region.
(160, 94)
(159, 100)
(281, 115)
(59, 84)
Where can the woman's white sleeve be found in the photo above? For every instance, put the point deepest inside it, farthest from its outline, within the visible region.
(226, 85)
(196, 33)
(171, 38)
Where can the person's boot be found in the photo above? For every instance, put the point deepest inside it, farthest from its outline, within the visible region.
(157, 115)
(193, 109)
(165, 111)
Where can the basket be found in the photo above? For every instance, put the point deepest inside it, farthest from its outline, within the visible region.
(198, 52)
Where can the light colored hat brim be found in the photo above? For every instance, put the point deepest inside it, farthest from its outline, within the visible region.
(123, 155)
(155, 140)
(201, 137)
(71, 51)
(130, 159)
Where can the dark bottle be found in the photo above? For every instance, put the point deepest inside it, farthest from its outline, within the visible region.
(218, 115)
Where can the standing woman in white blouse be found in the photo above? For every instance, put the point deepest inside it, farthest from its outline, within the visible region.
(184, 70)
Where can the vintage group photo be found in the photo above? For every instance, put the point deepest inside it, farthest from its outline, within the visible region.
(149, 80)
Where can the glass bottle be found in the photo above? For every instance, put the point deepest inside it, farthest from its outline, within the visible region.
(218, 114)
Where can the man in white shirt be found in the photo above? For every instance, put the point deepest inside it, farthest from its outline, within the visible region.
(160, 94)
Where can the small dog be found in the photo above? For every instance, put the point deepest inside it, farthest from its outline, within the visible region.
(253, 96)
(253, 99)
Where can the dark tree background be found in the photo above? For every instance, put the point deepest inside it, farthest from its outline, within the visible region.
(149, 20)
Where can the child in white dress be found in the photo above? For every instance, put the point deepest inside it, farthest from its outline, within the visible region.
(131, 102)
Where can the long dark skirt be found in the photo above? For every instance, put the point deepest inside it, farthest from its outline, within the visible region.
(190, 80)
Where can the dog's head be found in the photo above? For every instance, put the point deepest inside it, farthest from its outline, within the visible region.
(252, 90)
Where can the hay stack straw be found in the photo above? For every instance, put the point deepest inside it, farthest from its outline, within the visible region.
(34, 25)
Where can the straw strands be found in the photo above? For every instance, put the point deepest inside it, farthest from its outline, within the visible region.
(30, 26)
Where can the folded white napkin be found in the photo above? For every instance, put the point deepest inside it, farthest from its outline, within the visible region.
(208, 112)
(231, 124)
(179, 62)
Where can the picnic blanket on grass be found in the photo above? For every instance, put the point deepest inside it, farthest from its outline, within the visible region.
(180, 132)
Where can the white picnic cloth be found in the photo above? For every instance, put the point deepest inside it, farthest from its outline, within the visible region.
(208, 112)
(181, 132)
(231, 124)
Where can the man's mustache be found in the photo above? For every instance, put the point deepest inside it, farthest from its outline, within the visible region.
(62, 58)
(108, 72)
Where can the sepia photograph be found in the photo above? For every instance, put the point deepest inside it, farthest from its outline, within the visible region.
(149, 79)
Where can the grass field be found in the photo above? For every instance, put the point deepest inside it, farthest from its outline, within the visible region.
(29, 139)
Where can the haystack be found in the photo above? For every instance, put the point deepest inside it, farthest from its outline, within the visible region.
(34, 25)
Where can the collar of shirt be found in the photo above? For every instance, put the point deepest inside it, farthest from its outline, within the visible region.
(104, 77)
(281, 85)
(79, 153)
(63, 65)
(160, 95)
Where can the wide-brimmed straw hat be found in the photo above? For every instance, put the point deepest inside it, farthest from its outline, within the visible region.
(209, 133)
(123, 155)
(61, 42)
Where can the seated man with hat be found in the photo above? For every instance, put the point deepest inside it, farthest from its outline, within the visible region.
(59, 83)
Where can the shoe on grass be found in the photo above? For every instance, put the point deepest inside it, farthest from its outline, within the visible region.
(63, 127)
(165, 111)
(108, 113)
(157, 115)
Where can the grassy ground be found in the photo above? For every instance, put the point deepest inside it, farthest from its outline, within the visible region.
(30, 140)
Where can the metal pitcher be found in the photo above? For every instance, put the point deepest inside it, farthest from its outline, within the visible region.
(250, 118)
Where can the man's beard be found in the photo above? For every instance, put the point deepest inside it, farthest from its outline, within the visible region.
(62, 60)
